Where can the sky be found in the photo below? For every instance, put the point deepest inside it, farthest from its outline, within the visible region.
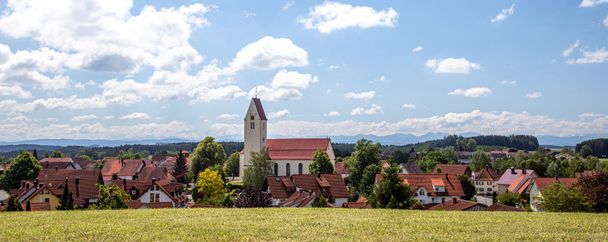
(107, 69)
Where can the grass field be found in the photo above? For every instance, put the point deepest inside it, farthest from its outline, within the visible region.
(300, 225)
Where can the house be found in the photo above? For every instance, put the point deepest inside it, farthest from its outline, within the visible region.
(485, 181)
(59, 163)
(538, 184)
(453, 169)
(360, 203)
(289, 156)
(341, 169)
(465, 157)
(122, 169)
(500, 207)
(456, 204)
(85, 164)
(48, 188)
(305, 187)
(410, 168)
(584, 173)
(432, 188)
(153, 193)
(509, 176)
(169, 162)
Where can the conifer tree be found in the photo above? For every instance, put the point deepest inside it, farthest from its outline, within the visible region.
(180, 168)
(67, 201)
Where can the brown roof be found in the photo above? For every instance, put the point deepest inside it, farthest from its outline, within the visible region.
(501, 207)
(87, 179)
(337, 185)
(282, 187)
(277, 187)
(416, 181)
(544, 182)
(259, 108)
(456, 205)
(341, 168)
(360, 203)
(39, 206)
(298, 199)
(59, 163)
(134, 204)
(487, 174)
(124, 168)
(453, 169)
(295, 149)
(160, 205)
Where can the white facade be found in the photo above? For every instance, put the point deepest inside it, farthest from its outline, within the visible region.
(155, 195)
(485, 187)
(422, 195)
(255, 131)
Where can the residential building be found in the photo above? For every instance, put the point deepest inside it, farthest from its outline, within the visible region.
(300, 190)
(485, 181)
(60, 163)
(289, 156)
(538, 184)
(453, 169)
(455, 204)
(122, 169)
(410, 168)
(509, 176)
(341, 169)
(432, 188)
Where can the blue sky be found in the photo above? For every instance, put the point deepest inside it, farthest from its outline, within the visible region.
(187, 69)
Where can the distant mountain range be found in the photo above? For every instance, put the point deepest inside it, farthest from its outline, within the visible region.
(395, 139)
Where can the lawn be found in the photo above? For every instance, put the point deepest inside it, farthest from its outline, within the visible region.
(300, 224)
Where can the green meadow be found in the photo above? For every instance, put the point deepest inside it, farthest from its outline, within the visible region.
(216, 224)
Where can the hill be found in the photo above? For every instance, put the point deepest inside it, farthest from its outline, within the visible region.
(300, 224)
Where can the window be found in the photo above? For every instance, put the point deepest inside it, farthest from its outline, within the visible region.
(276, 169)
(133, 192)
(158, 197)
(252, 125)
(489, 183)
(300, 169)
(251, 117)
(421, 193)
(489, 189)
(152, 197)
(442, 199)
(288, 169)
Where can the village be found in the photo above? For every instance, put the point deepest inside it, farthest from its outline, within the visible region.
(304, 172)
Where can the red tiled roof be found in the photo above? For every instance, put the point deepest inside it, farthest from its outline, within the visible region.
(87, 189)
(39, 206)
(295, 149)
(59, 163)
(277, 187)
(284, 186)
(452, 169)
(259, 108)
(415, 181)
(544, 182)
(487, 174)
(341, 168)
(501, 207)
(458, 205)
(110, 167)
(511, 174)
(360, 203)
(298, 199)
(337, 185)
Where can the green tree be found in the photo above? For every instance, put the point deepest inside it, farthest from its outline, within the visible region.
(12, 205)
(260, 168)
(67, 200)
(35, 154)
(56, 154)
(321, 164)
(24, 167)
(206, 154)
(320, 202)
(211, 186)
(467, 187)
(232, 165)
(553, 170)
(392, 193)
(180, 168)
(111, 197)
(586, 151)
(479, 160)
(559, 198)
(509, 199)
(366, 154)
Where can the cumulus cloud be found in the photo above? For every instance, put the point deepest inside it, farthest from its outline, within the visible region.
(288, 5)
(72, 102)
(504, 14)
(269, 53)
(81, 118)
(379, 79)
(332, 114)
(42, 68)
(534, 95)
(227, 116)
(136, 115)
(452, 66)
(331, 16)
(568, 51)
(408, 106)
(472, 92)
(221, 129)
(417, 49)
(286, 85)
(360, 95)
(591, 57)
(508, 82)
(373, 110)
(279, 114)
(591, 3)
(15, 91)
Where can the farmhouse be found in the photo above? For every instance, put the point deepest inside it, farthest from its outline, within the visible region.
(289, 156)
(59, 163)
(453, 169)
(301, 190)
(123, 169)
(513, 175)
(537, 186)
(432, 188)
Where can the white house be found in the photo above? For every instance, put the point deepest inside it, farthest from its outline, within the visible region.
(289, 156)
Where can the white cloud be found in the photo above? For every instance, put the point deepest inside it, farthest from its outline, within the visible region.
(452, 65)
(279, 114)
(269, 53)
(42, 68)
(81, 118)
(417, 49)
(288, 5)
(605, 22)
(72, 102)
(222, 129)
(568, 51)
(590, 115)
(472, 92)
(373, 110)
(591, 57)
(333, 67)
(591, 3)
(504, 14)
(286, 85)
(332, 114)
(332, 16)
(227, 116)
(534, 95)
(248, 14)
(379, 79)
(15, 91)
(408, 106)
(361, 95)
(108, 117)
(508, 82)
(136, 115)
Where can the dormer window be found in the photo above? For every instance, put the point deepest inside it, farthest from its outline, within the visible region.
(438, 185)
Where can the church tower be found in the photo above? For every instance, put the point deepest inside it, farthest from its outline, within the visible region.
(254, 125)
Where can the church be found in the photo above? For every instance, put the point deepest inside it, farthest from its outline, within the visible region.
(289, 156)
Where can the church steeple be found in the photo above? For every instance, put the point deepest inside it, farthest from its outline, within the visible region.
(254, 125)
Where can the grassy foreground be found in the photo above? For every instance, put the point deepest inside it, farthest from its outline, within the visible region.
(300, 224)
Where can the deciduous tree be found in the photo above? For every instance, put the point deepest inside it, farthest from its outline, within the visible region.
(467, 187)
(111, 197)
(559, 198)
(250, 198)
(509, 199)
(595, 188)
(210, 185)
(392, 193)
(232, 165)
(256, 174)
(321, 164)
(206, 154)
(24, 167)
(479, 160)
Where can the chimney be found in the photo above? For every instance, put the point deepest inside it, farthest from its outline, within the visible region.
(27, 186)
(523, 171)
(513, 170)
(56, 168)
(454, 200)
(124, 184)
(77, 181)
(36, 182)
(22, 184)
(153, 180)
(143, 163)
